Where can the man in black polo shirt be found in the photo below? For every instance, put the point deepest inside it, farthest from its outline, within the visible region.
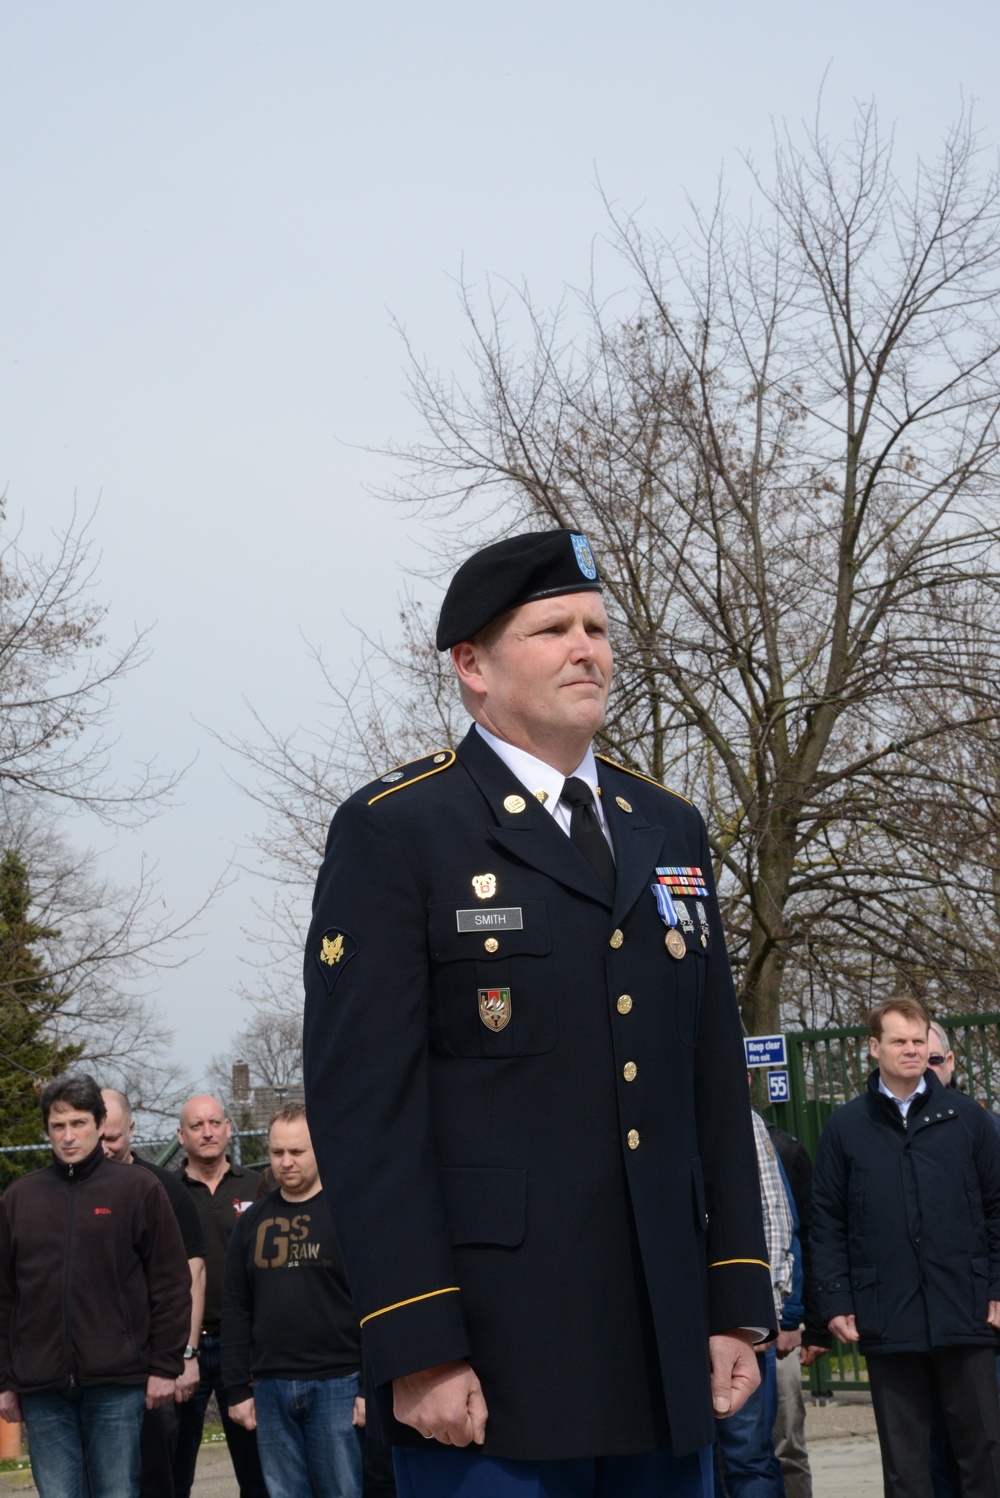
(159, 1426)
(221, 1191)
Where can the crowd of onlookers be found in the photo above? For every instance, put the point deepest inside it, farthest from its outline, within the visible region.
(129, 1298)
(893, 1244)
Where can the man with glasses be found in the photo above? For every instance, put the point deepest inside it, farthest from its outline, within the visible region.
(940, 1057)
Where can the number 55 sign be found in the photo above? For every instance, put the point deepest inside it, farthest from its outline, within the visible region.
(777, 1087)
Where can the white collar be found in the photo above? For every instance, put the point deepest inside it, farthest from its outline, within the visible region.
(904, 1103)
(535, 775)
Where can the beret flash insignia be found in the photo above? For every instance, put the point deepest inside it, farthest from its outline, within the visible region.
(335, 950)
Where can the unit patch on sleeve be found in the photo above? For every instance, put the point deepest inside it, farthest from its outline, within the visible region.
(335, 950)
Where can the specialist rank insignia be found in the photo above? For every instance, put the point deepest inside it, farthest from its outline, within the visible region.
(335, 950)
(494, 1007)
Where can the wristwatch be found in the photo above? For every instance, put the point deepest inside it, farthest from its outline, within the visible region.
(190, 1352)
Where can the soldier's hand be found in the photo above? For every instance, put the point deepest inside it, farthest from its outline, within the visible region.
(993, 1315)
(244, 1414)
(734, 1370)
(844, 1328)
(159, 1391)
(444, 1403)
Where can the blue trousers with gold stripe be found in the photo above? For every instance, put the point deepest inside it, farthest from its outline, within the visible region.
(438, 1473)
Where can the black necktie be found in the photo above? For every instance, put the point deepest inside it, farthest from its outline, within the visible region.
(585, 830)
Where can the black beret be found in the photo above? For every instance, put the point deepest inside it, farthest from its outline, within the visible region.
(511, 572)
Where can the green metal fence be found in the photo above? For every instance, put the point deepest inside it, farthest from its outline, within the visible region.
(828, 1067)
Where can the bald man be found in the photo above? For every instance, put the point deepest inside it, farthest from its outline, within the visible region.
(221, 1190)
(159, 1426)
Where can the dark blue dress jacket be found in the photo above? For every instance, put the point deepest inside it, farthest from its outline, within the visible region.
(569, 1197)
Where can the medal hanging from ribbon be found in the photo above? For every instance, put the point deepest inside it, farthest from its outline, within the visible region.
(674, 941)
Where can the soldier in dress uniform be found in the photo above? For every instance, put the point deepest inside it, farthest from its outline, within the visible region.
(525, 1079)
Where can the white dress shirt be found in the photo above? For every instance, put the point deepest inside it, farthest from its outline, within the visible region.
(904, 1103)
(535, 775)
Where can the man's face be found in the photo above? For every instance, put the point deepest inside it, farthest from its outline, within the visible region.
(902, 1052)
(940, 1058)
(204, 1129)
(117, 1140)
(549, 673)
(72, 1133)
(292, 1158)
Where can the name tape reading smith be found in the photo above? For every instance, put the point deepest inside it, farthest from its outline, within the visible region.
(508, 919)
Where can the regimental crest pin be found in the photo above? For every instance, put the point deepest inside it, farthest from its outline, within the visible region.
(485, 885)
(584, 557)
(494, 1007)
(335, 950)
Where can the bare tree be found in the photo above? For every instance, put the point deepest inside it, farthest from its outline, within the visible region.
(103, 947)
(786, 452)
(100, 944)
(57, 679)
(401, 697)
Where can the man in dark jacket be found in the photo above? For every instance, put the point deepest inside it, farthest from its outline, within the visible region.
(906, 1241)
(95, 1303)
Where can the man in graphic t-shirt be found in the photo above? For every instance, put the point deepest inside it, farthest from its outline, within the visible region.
(289, 1326)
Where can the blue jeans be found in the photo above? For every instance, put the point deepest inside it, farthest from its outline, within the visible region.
(746, 1444)
(86, 1446)
(441, 1473)
(308, 1447)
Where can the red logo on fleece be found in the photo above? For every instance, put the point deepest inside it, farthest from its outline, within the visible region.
(102, 1211)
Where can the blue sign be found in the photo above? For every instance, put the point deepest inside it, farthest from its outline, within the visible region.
(777, 1087)
(765, 1050)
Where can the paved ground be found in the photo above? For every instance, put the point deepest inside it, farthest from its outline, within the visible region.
(841, 1438)
(842, 1449)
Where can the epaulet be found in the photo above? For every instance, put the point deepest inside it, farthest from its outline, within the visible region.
(404, 775)
(639, 776)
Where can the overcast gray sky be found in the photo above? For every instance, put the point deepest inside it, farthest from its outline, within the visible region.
(211, 213)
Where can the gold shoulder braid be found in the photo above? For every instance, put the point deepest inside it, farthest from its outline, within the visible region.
(640, 776)
(417, 769)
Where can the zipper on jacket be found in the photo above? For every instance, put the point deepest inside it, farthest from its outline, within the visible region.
(66, 1283)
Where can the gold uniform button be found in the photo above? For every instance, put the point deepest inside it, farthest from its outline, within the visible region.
(439, 759)
(624, 1003)
(633, 1139)
(491, 944)
(630, 1071)
(616, 938)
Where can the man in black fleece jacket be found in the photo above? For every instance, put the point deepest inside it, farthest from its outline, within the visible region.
(95, 1303)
